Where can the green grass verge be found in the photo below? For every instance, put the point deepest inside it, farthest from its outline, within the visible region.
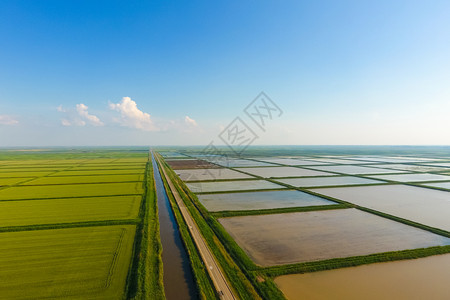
(336, 263)
(235, 213)
(145, 279)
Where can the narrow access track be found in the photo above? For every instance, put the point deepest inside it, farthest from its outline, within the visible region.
(215, 272)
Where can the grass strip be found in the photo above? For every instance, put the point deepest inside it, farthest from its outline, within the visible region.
(353, 261)
(235, 213)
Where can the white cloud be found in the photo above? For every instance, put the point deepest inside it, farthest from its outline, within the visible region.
(78, 117)
(83, 113)
(8, 120)
(131, 116)
(190, 121)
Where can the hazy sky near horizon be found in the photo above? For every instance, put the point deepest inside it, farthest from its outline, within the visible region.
(178, 72)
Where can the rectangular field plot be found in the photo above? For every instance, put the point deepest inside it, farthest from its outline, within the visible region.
(24, 174)
(389, 159)
(412, 177)
(34, 212)
(411, 168)
(442, 164)
(421, 205)
(190, 164)
(238, 185)
(108, 167)
(12, 181)
(84, 179)
(282, 172)
(290, 161)
(353, 170)
(260, 200)
(443, 185)
(423, 278)
(232, 163)
(75, 263)
(318, 235)
(99, 172)
(210, 174)
(70, 190)
(338, 161)
(327, 181)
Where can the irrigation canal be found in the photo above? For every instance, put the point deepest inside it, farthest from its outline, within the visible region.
(178, 278)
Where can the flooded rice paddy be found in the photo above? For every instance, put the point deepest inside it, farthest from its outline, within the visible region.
(423, 278)
(317, 235)
(260, 200)
(283, 172)
(291, 161)
(412, 177)
(443, 185)
(238, 185)
(210, 174)
(411, 168)
(353, 170)
(426, 206)
(232, 163)
(327, 181)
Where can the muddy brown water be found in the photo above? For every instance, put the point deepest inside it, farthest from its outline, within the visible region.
(424, 278)
(178, 278)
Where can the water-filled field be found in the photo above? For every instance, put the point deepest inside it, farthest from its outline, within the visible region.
(422, 205)
(268, 172)
(353, 170)
(423, 278)
(412, 177)
(411, 168)
(443, 185)
(317, 235)
(260, 200)
(237, 185)
(232, 163)
(327, 181)
(291, 161)
(210, 174)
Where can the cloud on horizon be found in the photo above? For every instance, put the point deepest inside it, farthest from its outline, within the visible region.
(132, 117)
(8, 120)
(78, 117)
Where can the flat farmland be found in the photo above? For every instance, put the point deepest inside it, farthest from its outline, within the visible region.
(411, 168)
(53, 211)
(282, 172)
(85, 179)
(423, 278)
(353, 170)
(73, 263)
(190, 164)
(11, 181)
(412, 177)
(291, 161)
(70, 190)
(426, 206)
(25, 174)
(99, 172)
(232, 163)
(237, 185)
(327, 181)
(260, 200)
(318, 235)
(211, 174)
(443, 185)
(107, 167)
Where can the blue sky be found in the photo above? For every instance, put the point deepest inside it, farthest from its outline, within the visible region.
(159, 72)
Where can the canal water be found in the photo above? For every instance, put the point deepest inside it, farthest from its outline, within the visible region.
(178, 278)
